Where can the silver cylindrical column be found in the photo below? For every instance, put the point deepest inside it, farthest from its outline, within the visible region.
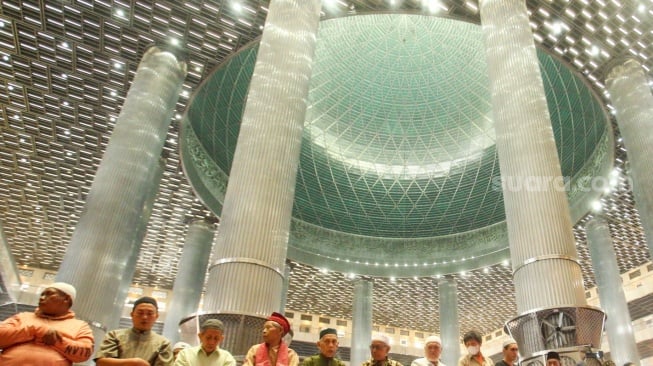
(621, 337)
(246, 275)
(187, 289)
(130, 267)
(449, 326)
(542, 248)
(546, 271)
(104, 240)
(286, 283)
(633, 102)
(361, 327)
(250, 251)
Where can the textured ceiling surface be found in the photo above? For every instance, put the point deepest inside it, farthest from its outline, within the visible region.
(66, 66)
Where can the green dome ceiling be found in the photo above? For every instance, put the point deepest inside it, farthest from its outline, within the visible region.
(398, 140)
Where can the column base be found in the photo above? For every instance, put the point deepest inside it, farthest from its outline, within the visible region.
(570, 331)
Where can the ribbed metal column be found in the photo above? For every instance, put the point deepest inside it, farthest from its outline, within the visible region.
(546, 270)
(361, 327)
(449, 326)
(98, 256)
(547, 276)
(286, 283)
(621, 337)
(187, 289)
(246, 275)
(130, 267)
(632, 99)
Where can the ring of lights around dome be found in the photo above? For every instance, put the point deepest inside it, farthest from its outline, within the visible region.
(398, 170)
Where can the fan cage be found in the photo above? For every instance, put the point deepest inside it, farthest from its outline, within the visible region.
(559, 328)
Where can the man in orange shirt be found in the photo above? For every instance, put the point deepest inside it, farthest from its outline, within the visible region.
(50, 336)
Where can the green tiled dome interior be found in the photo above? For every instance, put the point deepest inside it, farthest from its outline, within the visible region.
(398, 139)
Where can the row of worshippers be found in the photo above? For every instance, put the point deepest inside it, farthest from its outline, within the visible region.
(51, 335)
(380, 348)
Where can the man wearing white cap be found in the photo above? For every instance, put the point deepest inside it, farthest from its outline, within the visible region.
(432, 351)
(510, 353)
(50, 336)
(379, 349)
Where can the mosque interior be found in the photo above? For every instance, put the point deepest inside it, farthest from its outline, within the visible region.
(398, 170)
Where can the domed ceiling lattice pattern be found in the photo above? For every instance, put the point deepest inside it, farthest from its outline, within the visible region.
(398, 170)
(398, 138)
(66, 66)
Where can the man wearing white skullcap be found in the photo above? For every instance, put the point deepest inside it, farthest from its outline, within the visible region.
(379, 349)
(432, 351)
(510, 353)
(50, 336)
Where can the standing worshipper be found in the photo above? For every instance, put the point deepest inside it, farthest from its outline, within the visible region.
(432, 352)
(379, 349)
(328, 346)
(138, 345)
(50, 336)
(273, 351)
(474, 356)
(510, 353)
(553, 359)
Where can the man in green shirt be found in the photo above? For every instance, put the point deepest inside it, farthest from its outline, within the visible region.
(208, 353)
(137, 345)
(328, 346)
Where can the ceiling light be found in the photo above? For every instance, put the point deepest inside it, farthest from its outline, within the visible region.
(594, 51)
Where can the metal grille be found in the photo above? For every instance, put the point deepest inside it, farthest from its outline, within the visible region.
(557, 328)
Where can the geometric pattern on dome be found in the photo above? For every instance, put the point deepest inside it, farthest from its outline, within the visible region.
(398, 138)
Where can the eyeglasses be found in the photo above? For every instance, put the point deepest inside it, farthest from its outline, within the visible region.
(514, 349)
(377, 346)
